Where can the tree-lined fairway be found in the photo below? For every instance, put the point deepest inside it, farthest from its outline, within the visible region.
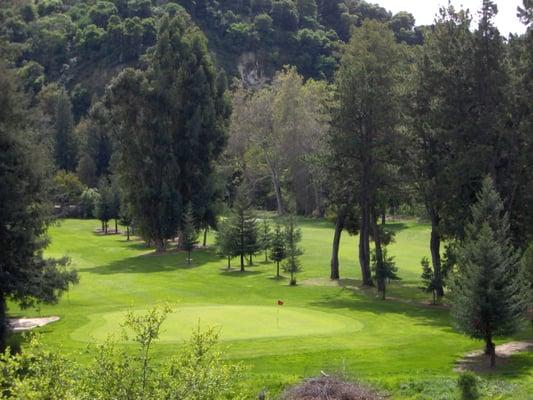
(407, 348)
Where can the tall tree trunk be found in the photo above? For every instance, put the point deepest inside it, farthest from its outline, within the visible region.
(229, 262)
(116, 226)
(127, 233)
(364, 246)
(490, 349)
(435, 253)
(339, 226)
(205, 235)
(242, 262)
(319, 210)
(3, 323)
(160, 245)
(277, 190)
(277, 273)
(188, 257)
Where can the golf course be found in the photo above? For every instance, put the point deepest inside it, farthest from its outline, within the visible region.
(403, 346)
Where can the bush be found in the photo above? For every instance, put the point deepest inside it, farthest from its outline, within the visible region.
(198, 372)
(467, 383)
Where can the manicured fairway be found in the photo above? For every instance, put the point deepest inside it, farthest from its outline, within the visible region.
(399, 345)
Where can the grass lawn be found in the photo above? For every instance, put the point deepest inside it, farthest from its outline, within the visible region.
(397, 345)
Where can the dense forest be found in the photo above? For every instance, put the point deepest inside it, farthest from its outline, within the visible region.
(164, 116)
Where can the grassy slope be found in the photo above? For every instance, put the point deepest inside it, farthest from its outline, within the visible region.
(397, 346)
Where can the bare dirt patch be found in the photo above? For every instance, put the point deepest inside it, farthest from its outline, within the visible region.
(26, 324)
(478, 361)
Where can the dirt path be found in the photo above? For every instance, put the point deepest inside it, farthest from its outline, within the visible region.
(479, 362)
(26, 324)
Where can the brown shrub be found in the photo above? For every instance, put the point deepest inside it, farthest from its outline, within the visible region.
(329, 388)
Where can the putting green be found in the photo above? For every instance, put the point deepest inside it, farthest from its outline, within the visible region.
(234, 322)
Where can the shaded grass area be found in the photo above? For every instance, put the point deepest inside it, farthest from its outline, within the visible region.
(398, 345)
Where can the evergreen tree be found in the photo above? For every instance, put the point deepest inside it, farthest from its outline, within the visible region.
(26, 277)
(439, 109)
(167, 142)
(430, 284)
(265, 238)
(243, 227)
(189, 233)
(66, 146)
(278, 251)
(384, 272)
(125, 217)
(293, 236)
(488, 291)
(225, 241)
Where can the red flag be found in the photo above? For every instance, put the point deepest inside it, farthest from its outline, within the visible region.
(280, 303)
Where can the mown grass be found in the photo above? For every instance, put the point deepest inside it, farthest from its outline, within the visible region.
(398, 345)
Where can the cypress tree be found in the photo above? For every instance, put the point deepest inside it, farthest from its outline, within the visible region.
(171, 121)
(488, 292)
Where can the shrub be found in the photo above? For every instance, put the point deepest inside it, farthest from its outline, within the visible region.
(467, 383)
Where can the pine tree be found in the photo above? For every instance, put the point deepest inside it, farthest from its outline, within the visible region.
(26, 277)
(189, 233)
(278, 251)
(488, 290)
(265, 238)
(224, 241)
(293, 236)
(430, 284)
(243, 227)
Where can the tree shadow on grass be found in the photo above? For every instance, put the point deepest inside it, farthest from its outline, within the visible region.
(150, 263)
(362, 302)
(236, 273)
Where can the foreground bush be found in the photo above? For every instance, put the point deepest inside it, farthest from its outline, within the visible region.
(197, 373)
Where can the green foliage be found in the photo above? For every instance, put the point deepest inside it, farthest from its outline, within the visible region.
(265, 238)
(467, 383)
(224, 241)
(293, 236)
(88, 201)
(429, 283)
(104, 206)
(198, 372)
(242, 228)
(67, 188)
(36, 373)
(182, 139)
(527, 267)
(278, 247)
(65, 143)
(26, 277)
(488, 291)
